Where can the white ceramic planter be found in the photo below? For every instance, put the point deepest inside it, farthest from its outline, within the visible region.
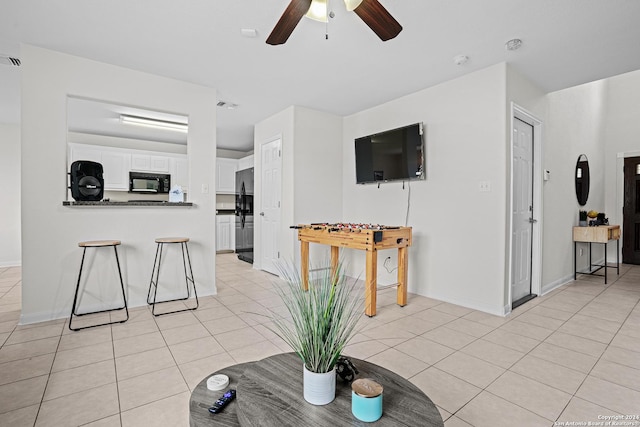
(319, 389)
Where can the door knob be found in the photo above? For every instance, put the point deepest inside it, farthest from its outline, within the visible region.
(261, 213)
(532, 221)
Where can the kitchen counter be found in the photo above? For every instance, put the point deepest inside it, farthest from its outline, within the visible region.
(225, 211)
(72, 203)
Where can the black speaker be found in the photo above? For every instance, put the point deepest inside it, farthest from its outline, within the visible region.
(87, 183)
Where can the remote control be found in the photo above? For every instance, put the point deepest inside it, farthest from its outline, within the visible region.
(219, 404)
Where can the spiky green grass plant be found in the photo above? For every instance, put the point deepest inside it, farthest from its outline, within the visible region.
(323, 319)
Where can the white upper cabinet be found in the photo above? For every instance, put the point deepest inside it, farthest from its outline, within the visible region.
(159, 163)
(82, 152)
(117, 162)
(245, 162)
(149, 163)
(179, 170)
(116, 170)
(226, 175)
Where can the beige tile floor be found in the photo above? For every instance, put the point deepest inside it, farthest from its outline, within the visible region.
(572, 355)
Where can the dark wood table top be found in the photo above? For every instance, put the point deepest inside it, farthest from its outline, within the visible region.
(269, 393)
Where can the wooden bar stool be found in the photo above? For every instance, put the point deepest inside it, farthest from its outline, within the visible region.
(98, 244)
(161, 241)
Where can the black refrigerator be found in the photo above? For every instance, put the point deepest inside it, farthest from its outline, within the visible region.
(244, 215)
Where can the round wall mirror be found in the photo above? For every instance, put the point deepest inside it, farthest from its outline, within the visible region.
(582, 180)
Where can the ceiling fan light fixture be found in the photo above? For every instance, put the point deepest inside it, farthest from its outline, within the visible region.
(318, 10)
(352, 4)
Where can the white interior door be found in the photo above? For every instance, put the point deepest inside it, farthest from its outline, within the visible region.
(270, 204)
(522, 215)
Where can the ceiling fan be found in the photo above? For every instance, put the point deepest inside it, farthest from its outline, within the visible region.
(370, 11)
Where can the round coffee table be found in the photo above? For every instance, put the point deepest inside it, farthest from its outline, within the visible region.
(269, 393)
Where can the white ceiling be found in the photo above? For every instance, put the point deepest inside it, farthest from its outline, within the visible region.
(565, 43)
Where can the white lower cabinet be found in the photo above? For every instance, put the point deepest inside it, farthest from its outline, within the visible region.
(225, 233)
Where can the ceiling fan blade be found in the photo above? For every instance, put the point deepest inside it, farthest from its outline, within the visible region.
(288, 21)
(378, 19)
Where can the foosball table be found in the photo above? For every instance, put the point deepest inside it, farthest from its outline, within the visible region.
(366, 237)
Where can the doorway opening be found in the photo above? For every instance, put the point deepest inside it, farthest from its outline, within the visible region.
(271, 194)
(631, 212)
(525, 255)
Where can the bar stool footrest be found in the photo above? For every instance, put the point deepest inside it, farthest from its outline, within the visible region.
(153, 283)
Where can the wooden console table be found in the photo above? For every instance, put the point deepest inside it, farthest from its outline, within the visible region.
(367, 239)
(598, 234)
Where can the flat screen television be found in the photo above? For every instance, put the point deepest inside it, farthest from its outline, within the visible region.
(393, 155)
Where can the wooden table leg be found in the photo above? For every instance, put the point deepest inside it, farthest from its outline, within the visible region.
(335, 256)
(403, 264)
(371, 287)
(304, 264)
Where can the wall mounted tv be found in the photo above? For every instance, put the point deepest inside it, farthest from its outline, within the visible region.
(393, 155)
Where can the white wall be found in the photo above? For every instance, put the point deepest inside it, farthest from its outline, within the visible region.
(10, 194)
(458, 251)
(50, 232)
(460, 235)
(280, 125)
(621, 139)
(317, 169)
(311, 174)
(525, 101)
(575, 125)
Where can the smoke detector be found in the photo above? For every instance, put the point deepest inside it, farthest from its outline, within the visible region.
(460, 59)
(8, 60)
(513, 44)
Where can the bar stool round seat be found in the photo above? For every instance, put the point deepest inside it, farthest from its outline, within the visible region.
(155, 275)
(74, 308)
(172, 240)
(99, 243)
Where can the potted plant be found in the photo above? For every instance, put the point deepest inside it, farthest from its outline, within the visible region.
(323, 320)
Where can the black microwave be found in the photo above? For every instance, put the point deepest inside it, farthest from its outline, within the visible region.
(151, 183)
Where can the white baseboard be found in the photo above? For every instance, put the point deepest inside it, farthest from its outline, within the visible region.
(506, 309)
(474, 305)
(556, 284)
(41, 317)
(47, 316)
(4, 264)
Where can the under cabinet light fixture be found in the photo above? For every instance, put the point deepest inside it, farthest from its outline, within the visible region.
(154, 123)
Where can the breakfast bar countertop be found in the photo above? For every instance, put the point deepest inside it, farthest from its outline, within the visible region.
(73, 203)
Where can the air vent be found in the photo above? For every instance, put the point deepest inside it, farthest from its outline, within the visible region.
(227, 105)
(7, 60)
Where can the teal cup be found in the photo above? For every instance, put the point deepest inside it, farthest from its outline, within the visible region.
(366, 400)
